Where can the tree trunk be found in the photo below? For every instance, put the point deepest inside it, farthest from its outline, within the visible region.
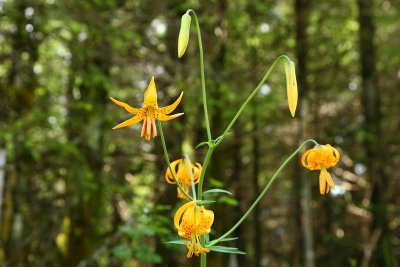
(370, 99)
(302, 15)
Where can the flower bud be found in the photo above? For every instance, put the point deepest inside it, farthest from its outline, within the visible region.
(184, 32)
(291, 85)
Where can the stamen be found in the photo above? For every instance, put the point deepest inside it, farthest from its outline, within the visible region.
(148, 129)
(153, 122)
(143, 127)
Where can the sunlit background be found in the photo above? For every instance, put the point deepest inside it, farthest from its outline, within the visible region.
(73, 192)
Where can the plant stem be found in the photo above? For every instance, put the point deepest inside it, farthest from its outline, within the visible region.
(202, 77)
(250, 97)
(168, 162)
(203, 260)
(191, 176)
(262, 194)
(203, 172)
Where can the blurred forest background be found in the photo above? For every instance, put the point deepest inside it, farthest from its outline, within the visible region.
(73, 192)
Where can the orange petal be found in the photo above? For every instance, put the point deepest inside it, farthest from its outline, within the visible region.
(172, 107)
(150, 96)
(180, 212)
(304, 157)
(129, 122)
(163, 117)
(126, 106)
(168, 174)
(207, 219)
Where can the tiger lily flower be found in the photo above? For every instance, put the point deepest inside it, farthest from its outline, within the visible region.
(193, 221)
(181, 171)
(149, 113)
(321, 158)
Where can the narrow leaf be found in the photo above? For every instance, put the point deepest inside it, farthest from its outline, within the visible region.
(217, 190)
(176, 242)
(226, 250)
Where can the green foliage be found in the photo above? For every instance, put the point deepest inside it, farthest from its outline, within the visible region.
(135, 242)
(65, 163)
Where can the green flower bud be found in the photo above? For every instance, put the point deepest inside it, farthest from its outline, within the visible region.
(183, 38)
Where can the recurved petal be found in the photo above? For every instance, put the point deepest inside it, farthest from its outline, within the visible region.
(181, 210)
(304, 158)
(206, 221)
(172, 107)
(150, 96)
(163, 117)
(336, 155)
(168, 174)
(126, 106)
(129, 122)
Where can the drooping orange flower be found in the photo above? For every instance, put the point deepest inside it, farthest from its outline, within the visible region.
(193, 221)
(149, 113)
(181, 170)
(321, 158)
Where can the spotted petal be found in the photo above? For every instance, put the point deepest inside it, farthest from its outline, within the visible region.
(207, 219)
(181, 210)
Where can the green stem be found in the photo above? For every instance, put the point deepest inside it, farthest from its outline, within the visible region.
(255, 91)
(191, 176)
(168, 162)
(203, 80)
(203, 260)
(203, 172)
(261, 195)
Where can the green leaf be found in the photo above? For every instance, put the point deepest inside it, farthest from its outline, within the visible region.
(122, 252)
(229, 239)
(229, 200)
(217, 190)
(176, 242)
(223, 249)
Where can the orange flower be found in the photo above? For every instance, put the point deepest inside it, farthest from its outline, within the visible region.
(181, 170)
(149, 113)
(193, 221)
(321, 158)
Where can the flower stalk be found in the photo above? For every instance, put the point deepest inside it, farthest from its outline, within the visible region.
(265, 190)
(164, 146)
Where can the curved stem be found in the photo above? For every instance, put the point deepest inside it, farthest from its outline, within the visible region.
(203, 80)
(255, 91)
(262, 194)
(168, 162)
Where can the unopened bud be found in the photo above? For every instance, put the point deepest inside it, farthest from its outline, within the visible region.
(184, 32)
(291, 85)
